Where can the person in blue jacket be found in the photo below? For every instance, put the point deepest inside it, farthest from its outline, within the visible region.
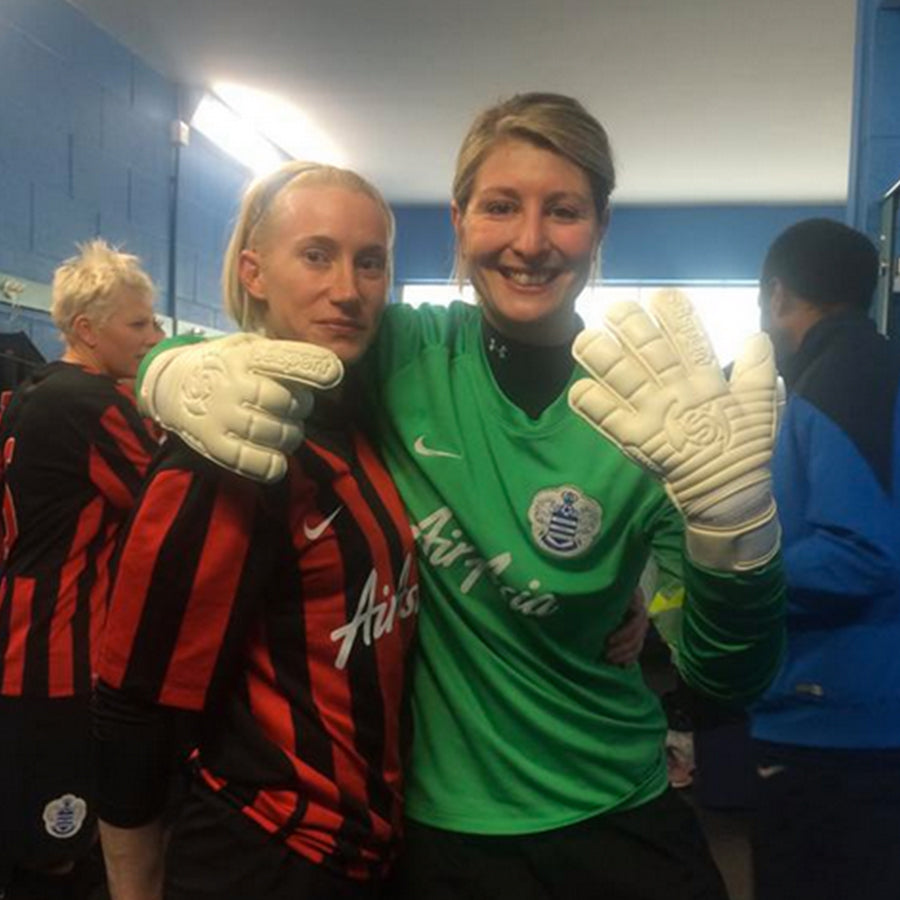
(827, 732)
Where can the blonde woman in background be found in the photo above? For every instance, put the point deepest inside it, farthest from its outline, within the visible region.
(74, 453)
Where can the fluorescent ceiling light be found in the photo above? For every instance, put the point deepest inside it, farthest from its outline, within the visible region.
(225, 128)
(282, 123)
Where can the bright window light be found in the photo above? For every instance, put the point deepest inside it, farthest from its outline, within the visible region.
(729, 312)
(282, 123)
(442, 294)
(227, 130)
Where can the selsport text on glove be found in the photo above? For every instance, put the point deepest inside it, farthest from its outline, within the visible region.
(241, 400)
(657, 391)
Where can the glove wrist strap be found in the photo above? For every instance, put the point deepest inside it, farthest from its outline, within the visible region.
(737, 548)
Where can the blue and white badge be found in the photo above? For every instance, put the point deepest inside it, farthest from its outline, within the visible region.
(564, 522)
(64, 816)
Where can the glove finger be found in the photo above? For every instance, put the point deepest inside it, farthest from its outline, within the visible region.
(593, 402)
(259, 464)
(291, 401)
(684, 330)
(271, 433)
(642, 340)
(295, 361)
(607, 361)
(754, 369)
(229, 452)
(602, 410)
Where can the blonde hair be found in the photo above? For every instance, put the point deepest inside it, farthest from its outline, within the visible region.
(91, 284)
(551, 121)
(255, 216)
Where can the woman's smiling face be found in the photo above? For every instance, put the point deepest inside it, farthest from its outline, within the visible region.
(528, 238)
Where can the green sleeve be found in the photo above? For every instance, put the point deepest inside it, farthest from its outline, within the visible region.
(731, 634)
(172, 343)
(406, 332)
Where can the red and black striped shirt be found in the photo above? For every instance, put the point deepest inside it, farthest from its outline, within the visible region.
(285, 613)
(73, 454)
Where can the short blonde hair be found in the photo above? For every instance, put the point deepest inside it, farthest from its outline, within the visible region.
(255, 216)
(91, 284)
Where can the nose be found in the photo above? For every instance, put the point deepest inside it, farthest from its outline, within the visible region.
(344, 287)
(153, 336)
(531, 240)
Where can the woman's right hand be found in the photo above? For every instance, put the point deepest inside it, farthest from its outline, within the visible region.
(240, 401)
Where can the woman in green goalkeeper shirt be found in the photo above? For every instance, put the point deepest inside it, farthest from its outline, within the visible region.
(538, 768)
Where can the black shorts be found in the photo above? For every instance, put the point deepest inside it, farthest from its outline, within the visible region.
(654, 852)
(827, 823)
(47, 813)
(216, 853)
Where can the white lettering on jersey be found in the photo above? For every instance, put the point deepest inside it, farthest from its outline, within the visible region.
(440, 550)
(372, 618)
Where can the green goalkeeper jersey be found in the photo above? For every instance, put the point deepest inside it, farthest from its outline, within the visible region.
(533, 534)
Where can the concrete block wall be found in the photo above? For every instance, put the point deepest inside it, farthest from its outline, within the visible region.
(85, 151)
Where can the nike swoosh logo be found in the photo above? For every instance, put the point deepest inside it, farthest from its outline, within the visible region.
(766, 772)
(314, 532)
(422, 450)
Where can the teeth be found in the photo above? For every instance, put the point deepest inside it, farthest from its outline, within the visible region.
(529, 279)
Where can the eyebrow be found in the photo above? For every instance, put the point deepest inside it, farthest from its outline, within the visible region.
(551, 198)
(332, 244)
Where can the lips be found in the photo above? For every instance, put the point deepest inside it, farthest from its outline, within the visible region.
(528, 277)
(342, 324)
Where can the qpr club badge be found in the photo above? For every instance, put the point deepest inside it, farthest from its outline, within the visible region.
(564, 522)
(64, 816)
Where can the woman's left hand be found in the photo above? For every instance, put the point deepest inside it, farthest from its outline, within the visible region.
(624, 645)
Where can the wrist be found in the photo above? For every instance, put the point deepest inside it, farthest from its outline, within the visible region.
(736, 547)
(153, 361)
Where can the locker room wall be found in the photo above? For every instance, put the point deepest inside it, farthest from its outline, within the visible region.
(85, 150)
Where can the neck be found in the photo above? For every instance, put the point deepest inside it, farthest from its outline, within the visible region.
(82, 355)
(531, 376)
(543, 333)
(810, 315)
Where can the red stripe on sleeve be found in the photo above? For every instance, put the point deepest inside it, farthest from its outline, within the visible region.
(20, 598)
(213, 595)
(133, 448)
(107, 481)
(143, 541)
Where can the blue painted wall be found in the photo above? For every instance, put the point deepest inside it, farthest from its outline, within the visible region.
(85, 150)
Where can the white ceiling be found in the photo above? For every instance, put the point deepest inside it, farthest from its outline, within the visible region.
(705, 100)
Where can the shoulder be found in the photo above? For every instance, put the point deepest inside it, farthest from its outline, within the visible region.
(428, 324)
(62, 392)
(854, 384)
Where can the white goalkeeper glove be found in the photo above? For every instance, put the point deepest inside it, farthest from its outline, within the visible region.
(241, 400)
(657, 391)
